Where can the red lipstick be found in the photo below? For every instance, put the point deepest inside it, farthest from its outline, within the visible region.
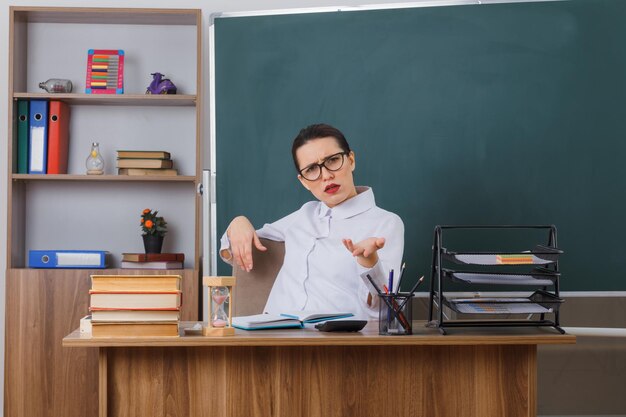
(331, 188)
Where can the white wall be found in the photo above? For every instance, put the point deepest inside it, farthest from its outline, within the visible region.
(208, 8)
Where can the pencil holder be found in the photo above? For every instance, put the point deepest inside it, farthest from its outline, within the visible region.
(395, 314)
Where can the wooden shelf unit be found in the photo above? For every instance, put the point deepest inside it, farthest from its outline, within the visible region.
(22, 88)
(43, 305)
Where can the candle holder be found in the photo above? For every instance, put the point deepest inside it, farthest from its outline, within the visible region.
(220, 291)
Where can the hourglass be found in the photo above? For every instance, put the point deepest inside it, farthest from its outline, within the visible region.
(220, 293)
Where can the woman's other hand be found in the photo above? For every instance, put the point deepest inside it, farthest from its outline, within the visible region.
(366, 251)
(242, 235)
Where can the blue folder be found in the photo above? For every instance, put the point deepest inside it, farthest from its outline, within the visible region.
(67, 259)
(38, 137)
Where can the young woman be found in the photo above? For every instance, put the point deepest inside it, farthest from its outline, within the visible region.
(330, 244)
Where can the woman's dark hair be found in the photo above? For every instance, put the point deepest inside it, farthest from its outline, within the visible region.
(317, 131)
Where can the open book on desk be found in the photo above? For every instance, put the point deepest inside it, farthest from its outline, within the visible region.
(295, 319)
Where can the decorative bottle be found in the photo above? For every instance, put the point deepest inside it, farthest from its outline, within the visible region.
(95, 163)
(57, 85)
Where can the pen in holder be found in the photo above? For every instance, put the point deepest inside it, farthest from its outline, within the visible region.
(395, 314)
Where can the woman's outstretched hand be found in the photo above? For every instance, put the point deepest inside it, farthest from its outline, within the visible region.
(366, 251)
(242, 235)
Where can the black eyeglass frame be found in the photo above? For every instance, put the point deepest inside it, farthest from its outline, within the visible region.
(323, 165)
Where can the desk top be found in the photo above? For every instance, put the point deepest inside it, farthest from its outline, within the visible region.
(311, 337)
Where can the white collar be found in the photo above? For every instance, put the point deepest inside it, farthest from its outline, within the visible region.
(361, 202)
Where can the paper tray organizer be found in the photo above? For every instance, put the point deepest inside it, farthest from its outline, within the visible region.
(490, 269)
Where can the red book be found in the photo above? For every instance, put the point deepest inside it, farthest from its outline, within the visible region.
(58, 137)
(153, 257)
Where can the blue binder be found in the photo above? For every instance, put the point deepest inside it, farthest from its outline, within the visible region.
(67, 259)
(38, 137)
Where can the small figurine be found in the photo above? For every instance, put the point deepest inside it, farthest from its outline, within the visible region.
(160, 85)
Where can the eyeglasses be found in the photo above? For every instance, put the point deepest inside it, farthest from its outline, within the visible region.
(332, 163)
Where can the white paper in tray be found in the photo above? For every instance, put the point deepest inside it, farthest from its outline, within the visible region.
(501, 308)
(490, 259)
(511, 279)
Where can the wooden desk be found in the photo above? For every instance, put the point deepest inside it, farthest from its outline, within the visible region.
(487, 372)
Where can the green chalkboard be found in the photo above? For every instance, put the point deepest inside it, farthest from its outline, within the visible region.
(477, 114)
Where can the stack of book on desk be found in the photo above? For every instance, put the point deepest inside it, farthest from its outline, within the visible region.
(145, 163)
(153, 260)
(135, 305)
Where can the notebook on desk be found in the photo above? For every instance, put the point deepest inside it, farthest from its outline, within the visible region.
(296, 319)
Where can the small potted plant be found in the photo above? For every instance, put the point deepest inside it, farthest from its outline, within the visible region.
(153, 230)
